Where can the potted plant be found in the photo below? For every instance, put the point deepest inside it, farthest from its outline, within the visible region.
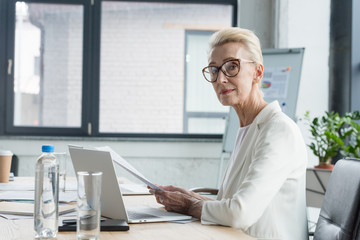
(333, 134)
(325, 132)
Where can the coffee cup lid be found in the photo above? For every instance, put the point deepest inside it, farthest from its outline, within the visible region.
(5, 153)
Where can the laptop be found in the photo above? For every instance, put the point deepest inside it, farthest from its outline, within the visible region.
(112, 204)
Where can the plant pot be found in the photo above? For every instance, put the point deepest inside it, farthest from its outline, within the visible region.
(325, 165)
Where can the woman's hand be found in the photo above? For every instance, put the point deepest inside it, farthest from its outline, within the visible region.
(179, 200)
(184, 191)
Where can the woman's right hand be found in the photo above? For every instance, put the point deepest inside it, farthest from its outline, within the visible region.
(172, 188)
(179, 200)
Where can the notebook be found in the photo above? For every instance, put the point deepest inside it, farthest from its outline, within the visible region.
(112, 204)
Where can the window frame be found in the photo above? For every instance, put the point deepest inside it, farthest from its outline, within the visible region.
(10, 129)
(90, 73)
(355, 58)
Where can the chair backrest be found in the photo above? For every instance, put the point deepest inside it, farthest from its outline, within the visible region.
(339, 215)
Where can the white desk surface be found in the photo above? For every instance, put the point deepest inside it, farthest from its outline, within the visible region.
(23, 228)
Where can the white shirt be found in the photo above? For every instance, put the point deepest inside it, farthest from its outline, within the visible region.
(239, 138)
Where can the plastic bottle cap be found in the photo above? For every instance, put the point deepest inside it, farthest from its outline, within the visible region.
(47, 148)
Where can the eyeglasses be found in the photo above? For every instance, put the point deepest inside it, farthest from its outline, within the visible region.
(230, 68)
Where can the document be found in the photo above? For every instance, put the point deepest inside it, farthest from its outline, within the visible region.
(17, 186)
(128, 167)
(134, 189)
(27, 209)
(64, 197)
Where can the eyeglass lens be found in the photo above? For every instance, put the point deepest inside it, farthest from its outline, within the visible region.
(229, 68)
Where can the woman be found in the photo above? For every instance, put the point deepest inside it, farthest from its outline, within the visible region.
(263, 190)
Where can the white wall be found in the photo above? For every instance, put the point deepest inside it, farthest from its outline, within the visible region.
(307, 24)
(183, 163)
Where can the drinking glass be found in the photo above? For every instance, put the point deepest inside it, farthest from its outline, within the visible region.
(88, 205)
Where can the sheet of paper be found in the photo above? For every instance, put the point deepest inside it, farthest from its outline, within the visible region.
(71, 186)
(127, 166)
(15, 217)
(275, 82)
(27, 209)
(29, 186)
(133, 189)
(65, 197)
(17, 186)
(17, 195)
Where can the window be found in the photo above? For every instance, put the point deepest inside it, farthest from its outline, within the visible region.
(203, 113)
(143, 62)
(48, 95)
(112, 68)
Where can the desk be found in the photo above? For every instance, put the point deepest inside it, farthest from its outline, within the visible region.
(23, 229)
(316, 183)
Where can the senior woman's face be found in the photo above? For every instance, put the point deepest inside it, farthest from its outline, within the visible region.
(233, 90)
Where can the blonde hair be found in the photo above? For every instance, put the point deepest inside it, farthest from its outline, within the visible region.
(241, 35)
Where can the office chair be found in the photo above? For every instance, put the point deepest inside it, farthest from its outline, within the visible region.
(340, 212)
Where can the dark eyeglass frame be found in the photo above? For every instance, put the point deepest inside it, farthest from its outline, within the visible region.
(238, 60)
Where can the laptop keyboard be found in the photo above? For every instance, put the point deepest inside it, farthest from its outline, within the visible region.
(150, 214)
(139, 215)
(156, 212)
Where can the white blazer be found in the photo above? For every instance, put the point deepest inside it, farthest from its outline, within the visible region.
(265, 192)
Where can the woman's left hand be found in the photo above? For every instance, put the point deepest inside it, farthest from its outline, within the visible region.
(180, 202)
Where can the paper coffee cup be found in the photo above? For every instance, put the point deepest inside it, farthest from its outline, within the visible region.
(5, 165)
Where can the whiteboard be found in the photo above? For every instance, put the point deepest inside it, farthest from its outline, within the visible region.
(287, 61)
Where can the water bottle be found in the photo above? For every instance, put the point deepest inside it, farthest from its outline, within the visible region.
(46, 210)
